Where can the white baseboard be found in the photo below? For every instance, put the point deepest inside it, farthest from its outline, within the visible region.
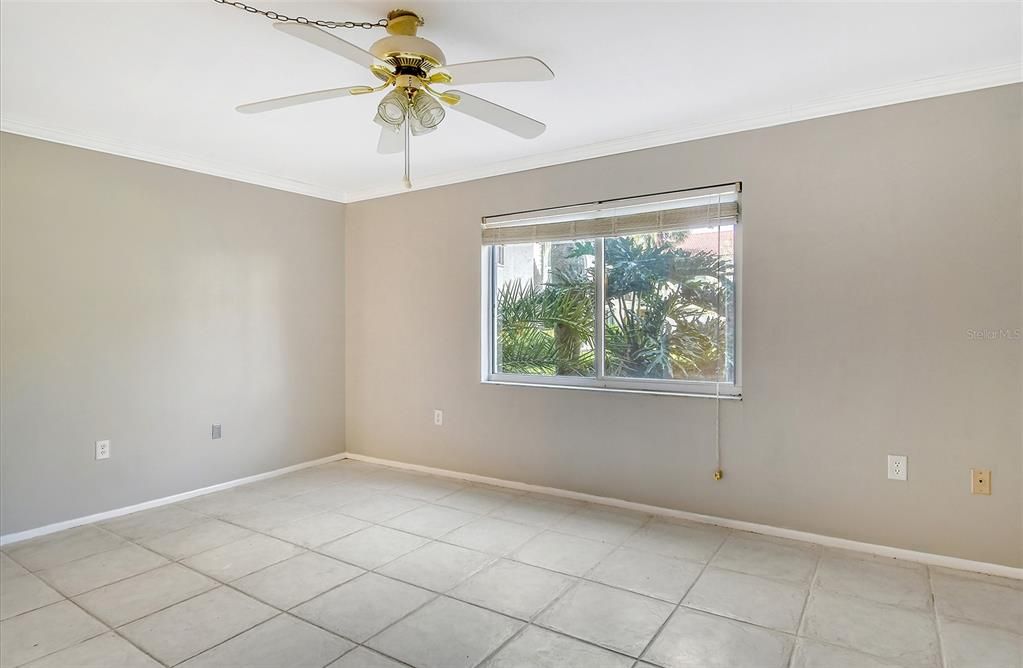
(765, 529)
(16, 537)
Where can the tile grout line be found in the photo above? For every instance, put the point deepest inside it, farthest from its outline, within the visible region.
(531, 622)
(937, 620)
(806, 604)
(664, 624)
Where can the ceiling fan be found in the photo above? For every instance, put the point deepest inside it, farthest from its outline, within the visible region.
(411, 66)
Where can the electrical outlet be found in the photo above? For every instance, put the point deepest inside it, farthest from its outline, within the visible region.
(980, 481)
(215, 431)
(438, 417)
(102, 449)
(897, 467)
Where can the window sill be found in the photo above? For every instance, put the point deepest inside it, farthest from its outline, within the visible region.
(617, 390)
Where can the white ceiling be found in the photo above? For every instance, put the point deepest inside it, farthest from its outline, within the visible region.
(159, 80)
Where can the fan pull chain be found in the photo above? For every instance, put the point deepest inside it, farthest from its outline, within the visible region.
(408, 158)
(275, 16)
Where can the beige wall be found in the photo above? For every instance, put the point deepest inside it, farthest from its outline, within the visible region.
(142, 303)
(873, 242)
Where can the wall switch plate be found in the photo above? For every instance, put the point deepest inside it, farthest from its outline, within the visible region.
(102, 449)
(897, 467)
(980, 481)
(438, 417)
(215, 431)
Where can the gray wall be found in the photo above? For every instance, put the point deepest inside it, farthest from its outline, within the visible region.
(873, 243)
(142, 303)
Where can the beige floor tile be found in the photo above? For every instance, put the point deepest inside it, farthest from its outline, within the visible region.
(282, 642)
(380, 507)
(540, 648)
(238, 559)
(431, 521)
(540, 512)
(477, 500)
(436, 566)
(647, 573)
(227, 503)
(491, 535)
(1012, 583)
(285, 486)
(62, 547)
(428, 488)
(23, 593)
(563, 553)
(288, 583)
(768, 557)
(875, 580)
(898, 635)
(44, 631)
(971, 646)
(125, 601)
(972, 600)
(446, 634)
(10, 569)
(152, 523)
(602, 525)
(682, 541)
(101, 569)
(106, 651)
(193, 626)
(274, 514)
(318, 529)
(364, 606)
(748, 598)
(373, 547)
(195, 539)
(813, 654)
(611, 618)
(693, 639)
(513, 589)
(332, 497)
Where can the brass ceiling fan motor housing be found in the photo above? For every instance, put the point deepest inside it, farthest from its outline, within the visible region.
(409, 54)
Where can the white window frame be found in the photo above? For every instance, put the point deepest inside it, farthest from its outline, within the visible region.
(600, 381)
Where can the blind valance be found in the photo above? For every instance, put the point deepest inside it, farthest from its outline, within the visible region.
(663, 212)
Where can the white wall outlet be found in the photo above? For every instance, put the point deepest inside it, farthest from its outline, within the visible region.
(438, 417)
(897, 467)
(216, 432)
(102, 449)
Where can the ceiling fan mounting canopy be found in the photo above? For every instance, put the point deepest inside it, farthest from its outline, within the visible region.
(408, 53)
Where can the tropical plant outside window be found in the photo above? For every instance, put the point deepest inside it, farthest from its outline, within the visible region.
(668, 311)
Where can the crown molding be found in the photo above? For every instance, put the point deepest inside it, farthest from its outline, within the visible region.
(879, 97)
(166, 158)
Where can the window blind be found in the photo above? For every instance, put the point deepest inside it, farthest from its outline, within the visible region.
(663, 212)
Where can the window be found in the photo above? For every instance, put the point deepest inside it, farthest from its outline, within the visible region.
(634, 294)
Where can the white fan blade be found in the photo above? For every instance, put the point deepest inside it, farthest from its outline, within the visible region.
(498, 116)
(326, 40)
(391, 141)
(525, 68)
(301, 98)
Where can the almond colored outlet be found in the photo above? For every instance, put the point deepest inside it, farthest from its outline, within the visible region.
(980, 481)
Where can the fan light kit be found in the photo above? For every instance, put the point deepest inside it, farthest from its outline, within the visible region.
(410, 66)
